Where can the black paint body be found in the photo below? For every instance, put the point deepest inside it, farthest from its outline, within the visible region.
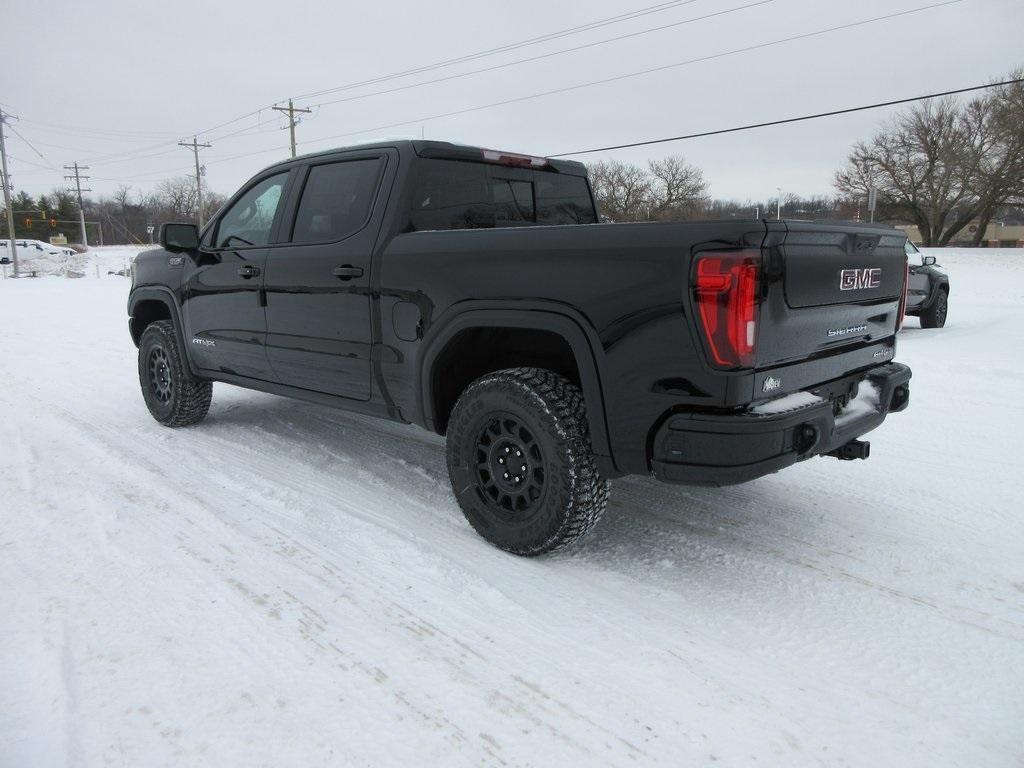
(924, 283)
(616, 298)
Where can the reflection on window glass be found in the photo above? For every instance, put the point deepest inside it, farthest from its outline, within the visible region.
(513, 201)
(249, 220)
(452, 194)
(563, 200)
(914, 256)
(336, 200)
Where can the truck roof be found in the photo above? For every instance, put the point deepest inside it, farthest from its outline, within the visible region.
(444, 150)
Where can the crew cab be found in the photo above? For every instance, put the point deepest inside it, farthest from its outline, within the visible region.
(474, 293)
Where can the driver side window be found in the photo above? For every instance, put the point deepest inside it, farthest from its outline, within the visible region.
(249, 220)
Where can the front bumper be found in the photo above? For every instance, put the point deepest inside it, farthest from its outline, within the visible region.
(728, 448)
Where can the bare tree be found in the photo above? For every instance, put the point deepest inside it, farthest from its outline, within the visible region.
(678, 190)
(942, 165)
(667, 189)
(997, 122)
(178, 197)
(623, 191)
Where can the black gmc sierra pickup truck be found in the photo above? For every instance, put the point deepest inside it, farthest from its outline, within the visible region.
(472, 292)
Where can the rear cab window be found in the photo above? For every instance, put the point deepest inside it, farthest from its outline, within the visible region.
(336, 200)
(461, 194)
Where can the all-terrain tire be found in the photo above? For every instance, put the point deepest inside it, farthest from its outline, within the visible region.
(173, 395)
(521, 462)
(935, 315)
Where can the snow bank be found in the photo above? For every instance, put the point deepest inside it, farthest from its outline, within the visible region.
(107, 259)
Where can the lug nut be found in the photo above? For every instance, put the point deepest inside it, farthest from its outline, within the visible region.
(501, 461)
(506, 475)
(517, 478)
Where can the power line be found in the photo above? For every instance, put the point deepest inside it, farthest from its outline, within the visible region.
(43, 157)
(31, 162)
(468, 57)
(139, 135)
(551, 54)
(783, 121)
(505, 48)
(642, 72)
(132, 155)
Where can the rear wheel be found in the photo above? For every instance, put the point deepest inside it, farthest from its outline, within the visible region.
(935, 315)
(521, 462)
(173, 395)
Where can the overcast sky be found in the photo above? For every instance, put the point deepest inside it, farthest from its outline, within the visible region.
(116, 84)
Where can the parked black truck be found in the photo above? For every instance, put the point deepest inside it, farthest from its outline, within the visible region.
(473, 293)
(927, 289)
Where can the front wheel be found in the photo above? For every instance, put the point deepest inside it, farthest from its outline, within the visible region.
(521, 463)
(935, 315)
(173, 395)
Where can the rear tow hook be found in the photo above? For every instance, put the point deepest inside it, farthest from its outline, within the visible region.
(855, 449)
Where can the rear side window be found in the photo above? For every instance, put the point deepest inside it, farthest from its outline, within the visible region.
(336, 200)
(452, 194)
(563, 200)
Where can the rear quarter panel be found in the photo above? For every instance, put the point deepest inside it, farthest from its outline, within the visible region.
(626, 282)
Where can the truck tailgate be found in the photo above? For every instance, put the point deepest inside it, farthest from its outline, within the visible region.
(828, 287)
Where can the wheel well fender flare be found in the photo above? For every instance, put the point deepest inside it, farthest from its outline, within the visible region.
(937, 288)
(166, 297)
(571, 326)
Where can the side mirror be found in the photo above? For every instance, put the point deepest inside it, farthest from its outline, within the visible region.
(928, 261)
(177, 237)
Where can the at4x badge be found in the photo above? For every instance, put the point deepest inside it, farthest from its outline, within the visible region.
(204, 342)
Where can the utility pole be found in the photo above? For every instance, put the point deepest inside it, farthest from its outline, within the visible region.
(77, 177)
(778, 204)
(195, 146)
(7, 197)
(291, 109)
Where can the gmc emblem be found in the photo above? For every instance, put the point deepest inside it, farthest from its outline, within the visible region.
(856, 279)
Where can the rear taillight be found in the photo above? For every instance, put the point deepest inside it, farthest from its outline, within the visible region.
(903, 296)
(725, 291)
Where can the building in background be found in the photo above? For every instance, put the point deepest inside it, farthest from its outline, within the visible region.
(997, 235)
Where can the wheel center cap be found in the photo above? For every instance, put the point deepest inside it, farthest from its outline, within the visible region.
(510, 465)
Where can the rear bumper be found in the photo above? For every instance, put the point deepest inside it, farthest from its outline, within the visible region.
(728, 448)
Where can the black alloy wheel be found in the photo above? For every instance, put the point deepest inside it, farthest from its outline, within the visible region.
(510, 465)
(160, 378)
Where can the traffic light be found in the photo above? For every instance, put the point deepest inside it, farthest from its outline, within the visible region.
(28, 223)
(53, 223)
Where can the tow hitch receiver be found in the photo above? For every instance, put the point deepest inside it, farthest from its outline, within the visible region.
(855, 449)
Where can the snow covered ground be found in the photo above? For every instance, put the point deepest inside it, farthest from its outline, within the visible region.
(290, 585)
(103, 258)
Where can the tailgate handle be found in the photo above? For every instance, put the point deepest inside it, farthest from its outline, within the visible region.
(347, 272)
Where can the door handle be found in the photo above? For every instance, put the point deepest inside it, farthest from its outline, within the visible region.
(248, 271)
(347, 272)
